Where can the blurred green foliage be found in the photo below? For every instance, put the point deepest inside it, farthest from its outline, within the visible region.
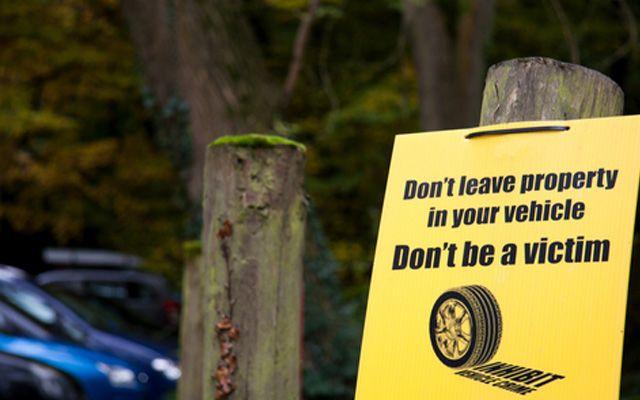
(79, 162)
(88, 159)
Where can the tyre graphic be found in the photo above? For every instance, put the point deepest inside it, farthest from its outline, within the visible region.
(465, 326)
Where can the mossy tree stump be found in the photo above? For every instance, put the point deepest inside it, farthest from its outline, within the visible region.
(254, 214)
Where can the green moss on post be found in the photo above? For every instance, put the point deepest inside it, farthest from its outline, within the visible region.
(192, 249)
(256, 140)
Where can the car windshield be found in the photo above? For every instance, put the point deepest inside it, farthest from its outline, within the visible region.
(105, 316)
(97, 315)
(35, 304)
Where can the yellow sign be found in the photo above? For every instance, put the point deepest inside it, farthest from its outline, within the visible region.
(502, 263)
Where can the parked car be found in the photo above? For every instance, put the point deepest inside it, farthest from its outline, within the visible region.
(143, 296)
(91, 258)
(52, 320)
(41, 370)
(108, 318)
(23, 379)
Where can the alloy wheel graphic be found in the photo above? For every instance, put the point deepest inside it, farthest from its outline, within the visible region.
(465, 326)
(453, 329)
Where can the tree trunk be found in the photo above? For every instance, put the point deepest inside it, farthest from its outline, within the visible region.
(449, 59)
(474, 30)
(527, 89)
(205, 53)
(152, 29)
(432, 57)
(254, 214)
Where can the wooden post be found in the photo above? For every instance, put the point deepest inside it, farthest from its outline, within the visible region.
(536, 88)
(528, 89)
(191, 327)
(254, 213)
(543, 89)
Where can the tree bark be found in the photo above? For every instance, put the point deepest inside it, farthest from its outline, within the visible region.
(449, 59)
(152, 28)
(432, 57)
(544, 89)
(205, 53)
(474, 31)
(254, 214)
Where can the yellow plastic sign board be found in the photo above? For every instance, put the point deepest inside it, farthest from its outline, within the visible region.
(502, 263)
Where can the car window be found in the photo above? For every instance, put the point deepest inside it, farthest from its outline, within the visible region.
(36, 306)
(109, 290)
(98, 316)
(140, 291)
(104, 315)
(66, 285)
(120, 290)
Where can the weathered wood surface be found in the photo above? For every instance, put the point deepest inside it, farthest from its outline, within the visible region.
(191, 327)
(536, 88)
(254, 212)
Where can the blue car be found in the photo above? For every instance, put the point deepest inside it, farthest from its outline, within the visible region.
(40, 315)
(42, 370)
(108, 318)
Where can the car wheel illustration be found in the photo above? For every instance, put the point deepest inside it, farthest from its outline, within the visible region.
(465, 326)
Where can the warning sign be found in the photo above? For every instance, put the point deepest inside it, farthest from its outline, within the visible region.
(502, 263)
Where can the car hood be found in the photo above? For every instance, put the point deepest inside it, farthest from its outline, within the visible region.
(59, 355)
(126, 349)
(134, 353)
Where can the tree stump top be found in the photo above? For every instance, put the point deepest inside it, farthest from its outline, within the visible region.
(529, 62)
(538, 88)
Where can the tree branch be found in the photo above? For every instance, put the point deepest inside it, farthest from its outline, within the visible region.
(631, 45)
(323, 64)
(632, 25)
(299, 46)
(566, 31)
